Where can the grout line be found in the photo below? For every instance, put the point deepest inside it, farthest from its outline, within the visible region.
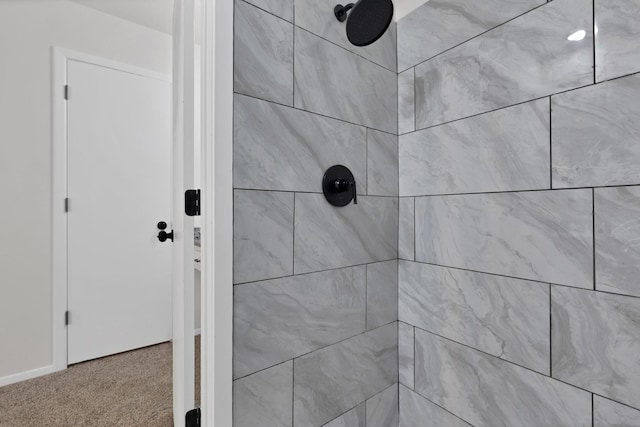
(293, 388)
(346, 49)
(538, 98)
(589, 85)
(415, 103)
(293, 57)
(415, 350)
(311, 272)
(593, 218)
(293, 259)
(550, 144)
(310, 192)
(537, 190)
(593, 34)
(523, 367)
(441, 407)
(475, 37)
(292, 107)
(414, 229)
(520, 278)
(366, 298)
(499, 358)
(315, 350)
(366, 160)
(550, 332)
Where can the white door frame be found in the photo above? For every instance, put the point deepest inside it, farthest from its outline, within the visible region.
(60, 57)
(183, 179)
(217, 208)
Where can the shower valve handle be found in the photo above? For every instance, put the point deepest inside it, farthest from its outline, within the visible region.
(339, 186)
(344, 185)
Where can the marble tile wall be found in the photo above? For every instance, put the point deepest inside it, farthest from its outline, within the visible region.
(523, 59)
(537, 235)
(415, 409)
(505, 317)
(587, 150)
(519, 213)
(330, 381)
(315, 295)
(610, 413)
(505, 150)
(332, 81)
(263, 66)
(439, 25)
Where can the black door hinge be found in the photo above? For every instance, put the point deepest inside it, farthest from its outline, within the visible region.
(193, 418)
(192, 202)
(66, 92)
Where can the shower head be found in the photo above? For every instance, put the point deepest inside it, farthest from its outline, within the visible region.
(367, 21)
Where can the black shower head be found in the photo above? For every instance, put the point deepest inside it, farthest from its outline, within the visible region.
(367, 21)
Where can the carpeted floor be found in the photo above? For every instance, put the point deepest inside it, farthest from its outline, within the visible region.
(126, 390)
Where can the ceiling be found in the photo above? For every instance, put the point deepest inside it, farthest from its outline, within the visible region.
(155, 14)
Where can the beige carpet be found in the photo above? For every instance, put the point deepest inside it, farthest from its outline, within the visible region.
(130, 389)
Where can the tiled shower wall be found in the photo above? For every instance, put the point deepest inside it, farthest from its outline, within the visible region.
(519, 165)
(315, 300)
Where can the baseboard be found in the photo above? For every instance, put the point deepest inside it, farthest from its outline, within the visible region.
(196, 332)
(27, 375)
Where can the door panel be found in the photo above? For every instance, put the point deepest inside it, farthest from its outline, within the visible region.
(119, 186)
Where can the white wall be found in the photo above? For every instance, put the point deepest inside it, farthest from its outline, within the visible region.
(28, 29)
(404, 7)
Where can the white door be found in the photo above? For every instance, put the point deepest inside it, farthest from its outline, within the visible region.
(119, 188)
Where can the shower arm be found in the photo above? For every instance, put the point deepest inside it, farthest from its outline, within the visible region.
(341, 11)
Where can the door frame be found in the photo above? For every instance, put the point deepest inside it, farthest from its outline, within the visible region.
(217, 208)
(60, 57)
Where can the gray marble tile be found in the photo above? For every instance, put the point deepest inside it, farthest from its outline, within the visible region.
(330, 237)
(524, 59)
(406, 102)
(505, 150)
(542, 235)
(415, 410)
(617, 227)
(262, 235)
(486, 391)
(281, 8)
(357, 417)
(280, 148)
(618, 38)
(442, 24)
(382, 163)
(607, 413)
(405, 354)
(332, 81)
(263, 55)
(317, 17)
(508, 318)
(382, 293)
(406, 232)
(595, 342)
(279, 319)
(382, 409)
(330, 381)
(595, 135)
(265, 398)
